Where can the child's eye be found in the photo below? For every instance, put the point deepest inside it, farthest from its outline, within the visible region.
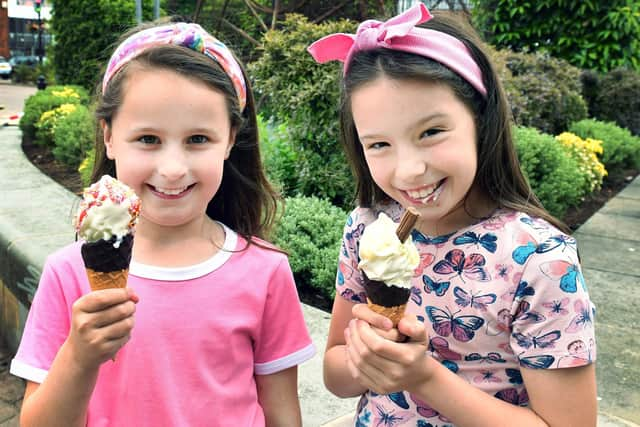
(377, 145)
(148, 139)
(430, 132)
(198, 139)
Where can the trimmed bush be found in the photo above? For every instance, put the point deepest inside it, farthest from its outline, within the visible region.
(617, 99)
(589, 34)
(74, 135)
(544, 92)
(46, 124)
(554, 175)
(620, 149)
(278, 155)
(86, 167)
(311, 231)
(586, 152)
(48, 99)
(293, 88)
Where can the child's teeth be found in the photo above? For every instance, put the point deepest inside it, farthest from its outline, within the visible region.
(170, 192)
(422, 193)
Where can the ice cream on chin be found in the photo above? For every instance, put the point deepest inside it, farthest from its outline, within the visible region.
(106, 222)
(388, 259)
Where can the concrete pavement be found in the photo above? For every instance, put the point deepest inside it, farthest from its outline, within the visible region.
(609, 244)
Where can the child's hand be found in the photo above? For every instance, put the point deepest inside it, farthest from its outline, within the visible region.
(385, 366)
(101, 323)
(380, 324)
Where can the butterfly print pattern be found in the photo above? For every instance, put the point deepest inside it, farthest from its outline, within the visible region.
(504, 294)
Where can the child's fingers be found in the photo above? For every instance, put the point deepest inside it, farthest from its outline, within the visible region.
(114, 314)
(99, 300)
(363, 312)
(413, 329)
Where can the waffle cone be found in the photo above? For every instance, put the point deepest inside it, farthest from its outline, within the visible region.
(107, 280)
(394, 313)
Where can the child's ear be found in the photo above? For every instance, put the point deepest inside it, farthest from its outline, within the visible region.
(232, 141)
(107, 139)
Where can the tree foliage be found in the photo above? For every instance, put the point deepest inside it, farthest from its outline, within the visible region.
(85, 34)
(589, 34)
(305, 94)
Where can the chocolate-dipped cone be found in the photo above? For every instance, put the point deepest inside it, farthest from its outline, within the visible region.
(107, 266)
(391, 300)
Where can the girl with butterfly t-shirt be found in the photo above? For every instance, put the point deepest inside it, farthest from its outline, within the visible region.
(499, 326)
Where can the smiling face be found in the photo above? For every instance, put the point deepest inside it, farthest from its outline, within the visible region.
(419, 142)
(169, 140)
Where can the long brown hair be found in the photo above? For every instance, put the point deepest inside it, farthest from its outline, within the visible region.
(245, 201)
(498, 175)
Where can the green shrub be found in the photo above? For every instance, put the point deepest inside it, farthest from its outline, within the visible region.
(46, 124)
(23, 74)
(617, 99)
(544, 92)
(620, 149)
(586, 152)
(589, 34)
(48, 99)
(305, 95)
(554, 175)
(86, 167)
(278, 156)
(311, 231)
(74, 135)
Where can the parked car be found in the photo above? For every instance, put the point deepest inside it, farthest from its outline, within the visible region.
(31, 61)
(5, 68)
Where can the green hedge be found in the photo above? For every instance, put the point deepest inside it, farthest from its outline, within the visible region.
(614, 97)
(74, 135)
(278, 154)
(544, 92)
(305, 95)
(46, 100)
(553, 174)
(311, 231)
(621, 150)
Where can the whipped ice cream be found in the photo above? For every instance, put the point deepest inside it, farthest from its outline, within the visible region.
(384, 257)
(108, 209)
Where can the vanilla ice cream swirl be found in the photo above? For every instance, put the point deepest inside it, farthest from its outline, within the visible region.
(384, 257)
(108, 209)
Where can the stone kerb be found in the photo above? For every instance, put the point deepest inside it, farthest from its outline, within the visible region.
(35, 219)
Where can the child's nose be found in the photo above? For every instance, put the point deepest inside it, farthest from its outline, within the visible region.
(172, 164)
(410, 163)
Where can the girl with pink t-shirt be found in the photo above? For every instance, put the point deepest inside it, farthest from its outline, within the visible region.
(499, 328)
(209, 331)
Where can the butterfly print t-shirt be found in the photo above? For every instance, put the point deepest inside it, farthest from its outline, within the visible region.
(498, 295)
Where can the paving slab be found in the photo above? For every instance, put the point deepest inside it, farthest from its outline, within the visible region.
(612, 226)
(609, 254)
(617, 323)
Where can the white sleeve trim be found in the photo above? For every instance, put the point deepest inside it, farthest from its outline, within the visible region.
(285, 362)
(28, 372)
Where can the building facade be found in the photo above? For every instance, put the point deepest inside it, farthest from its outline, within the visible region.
(22, 30)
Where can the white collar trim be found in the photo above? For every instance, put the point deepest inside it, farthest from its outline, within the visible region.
(192, 271)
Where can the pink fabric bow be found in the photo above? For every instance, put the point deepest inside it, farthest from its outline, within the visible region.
(400, 33)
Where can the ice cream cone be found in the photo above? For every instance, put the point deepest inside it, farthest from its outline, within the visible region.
(394, 313)
(387, 273)
(107, 280)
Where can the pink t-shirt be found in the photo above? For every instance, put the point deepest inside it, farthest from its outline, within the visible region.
(201, 335)
(496, 296)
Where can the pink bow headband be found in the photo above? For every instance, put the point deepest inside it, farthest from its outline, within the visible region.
(400, 33)
(192, 36)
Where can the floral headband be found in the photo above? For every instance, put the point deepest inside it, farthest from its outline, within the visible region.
(184, 34)
(400, 33)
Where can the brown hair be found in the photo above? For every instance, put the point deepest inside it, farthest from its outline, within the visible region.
(498, 175)
(245, 201)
